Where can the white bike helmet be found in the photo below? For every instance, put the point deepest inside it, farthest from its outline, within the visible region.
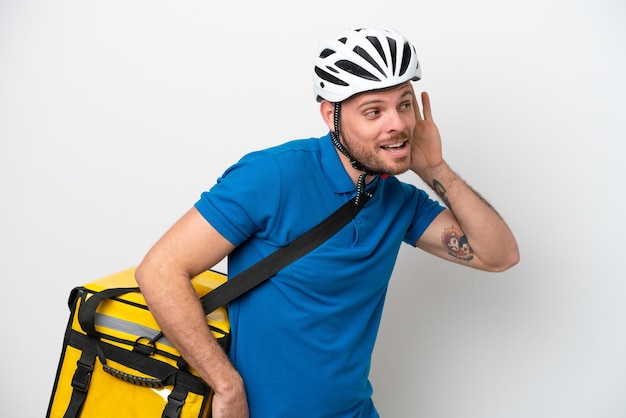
(361, 60)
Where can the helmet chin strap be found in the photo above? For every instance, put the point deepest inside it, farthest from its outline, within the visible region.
(360, 185)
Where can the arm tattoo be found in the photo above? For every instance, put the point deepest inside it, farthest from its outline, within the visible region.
(441, 192)
(456, 243)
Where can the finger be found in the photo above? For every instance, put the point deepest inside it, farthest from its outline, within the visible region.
(428, 115)
(416, 107)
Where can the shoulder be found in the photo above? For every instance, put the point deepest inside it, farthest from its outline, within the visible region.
(290, 148)
(294, 158)
(269, 161)
(250, 193)
(402, 192)
(408, 203)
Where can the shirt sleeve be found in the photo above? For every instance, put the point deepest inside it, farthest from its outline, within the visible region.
(244, 198)
(426, 211)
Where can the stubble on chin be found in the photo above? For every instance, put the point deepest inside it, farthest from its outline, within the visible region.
(376, 161)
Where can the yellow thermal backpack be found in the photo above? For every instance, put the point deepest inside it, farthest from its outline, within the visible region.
(115, 361)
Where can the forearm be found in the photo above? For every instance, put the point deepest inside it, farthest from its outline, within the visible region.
(175, 305)
(488, 235)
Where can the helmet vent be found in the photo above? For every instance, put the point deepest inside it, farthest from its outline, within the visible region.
(394, 55)
(356, 70)
(406, 57)
(367, 57)
(329, 77)
(326, 52)
(374, 41)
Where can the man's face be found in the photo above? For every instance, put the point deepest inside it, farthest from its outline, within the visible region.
(376, 128)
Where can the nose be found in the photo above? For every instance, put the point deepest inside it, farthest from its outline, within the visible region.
(396, 121)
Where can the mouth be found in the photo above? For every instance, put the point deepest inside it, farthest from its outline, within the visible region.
(395, 147)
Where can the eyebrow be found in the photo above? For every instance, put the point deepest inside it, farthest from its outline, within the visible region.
(375, 101)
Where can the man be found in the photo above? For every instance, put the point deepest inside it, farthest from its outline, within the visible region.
(302, 341)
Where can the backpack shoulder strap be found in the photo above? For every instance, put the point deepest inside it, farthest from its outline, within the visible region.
(281, 258)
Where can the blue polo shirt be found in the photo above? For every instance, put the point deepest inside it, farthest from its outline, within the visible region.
(303, 340)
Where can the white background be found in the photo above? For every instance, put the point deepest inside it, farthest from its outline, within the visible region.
(115, 115)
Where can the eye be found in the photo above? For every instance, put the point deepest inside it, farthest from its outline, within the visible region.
(370, 113)
(406, 105)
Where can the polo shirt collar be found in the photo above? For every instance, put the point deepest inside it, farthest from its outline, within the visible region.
(332, 167)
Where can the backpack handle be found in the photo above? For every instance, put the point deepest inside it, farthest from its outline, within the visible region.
(147, 382)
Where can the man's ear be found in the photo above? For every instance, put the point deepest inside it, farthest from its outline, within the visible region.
(327, 110)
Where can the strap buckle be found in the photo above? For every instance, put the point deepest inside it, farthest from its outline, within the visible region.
(82, 376)
(174, 406)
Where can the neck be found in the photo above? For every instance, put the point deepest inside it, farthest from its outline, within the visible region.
(352, 172)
